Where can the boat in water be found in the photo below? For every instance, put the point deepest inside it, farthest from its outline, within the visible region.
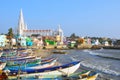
(59, 52)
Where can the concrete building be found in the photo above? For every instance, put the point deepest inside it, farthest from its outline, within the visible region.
(3, 40)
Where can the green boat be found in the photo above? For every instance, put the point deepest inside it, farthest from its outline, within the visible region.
(9, 54)
(73, 76)
(46, 73)
(29, 62)
(16, 63)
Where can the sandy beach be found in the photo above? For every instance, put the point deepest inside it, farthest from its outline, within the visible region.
(43, 53)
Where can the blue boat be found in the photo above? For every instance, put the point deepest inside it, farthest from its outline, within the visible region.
(25, 65)
(51, 72)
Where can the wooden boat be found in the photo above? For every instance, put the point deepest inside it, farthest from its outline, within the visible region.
(9, 53)
(14, 53)
(32, 66)
(17, 53)
(88, 76)
(59, 52)
(1, 53)
(2, 65)
(66, 69)
(46, 65)
(74, 76)
(85, 75)
(19, 49)
(4, 59)
(30, 61)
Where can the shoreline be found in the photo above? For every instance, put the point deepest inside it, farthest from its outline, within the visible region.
(45, 53)
(62, 47)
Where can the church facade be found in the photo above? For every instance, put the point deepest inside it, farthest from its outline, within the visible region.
(22, 30)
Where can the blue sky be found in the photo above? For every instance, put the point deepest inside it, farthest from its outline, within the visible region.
(99, 18)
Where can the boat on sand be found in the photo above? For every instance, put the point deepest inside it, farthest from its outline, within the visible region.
(65, 69)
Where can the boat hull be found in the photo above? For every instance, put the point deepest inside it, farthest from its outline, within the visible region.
(55, 71)
(2, 65)
(32, 66)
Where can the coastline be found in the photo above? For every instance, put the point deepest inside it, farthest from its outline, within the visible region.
(45, 53)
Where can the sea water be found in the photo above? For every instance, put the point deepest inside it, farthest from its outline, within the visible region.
(104, 61)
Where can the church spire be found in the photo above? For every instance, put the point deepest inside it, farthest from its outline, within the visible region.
(21, 24)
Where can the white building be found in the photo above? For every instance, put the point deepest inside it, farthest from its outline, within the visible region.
(22, 29)
(3, 40)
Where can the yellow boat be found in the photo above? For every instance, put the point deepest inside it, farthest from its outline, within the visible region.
(88, 76)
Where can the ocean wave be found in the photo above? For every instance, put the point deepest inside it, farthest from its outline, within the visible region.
(101, 65)
(102, 68)
(86, 50)
(73, 58)
(109, 57)
(105, 55)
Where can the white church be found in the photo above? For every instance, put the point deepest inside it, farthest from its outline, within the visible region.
(23, 30)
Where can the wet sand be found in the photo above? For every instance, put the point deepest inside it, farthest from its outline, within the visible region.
(43, 53)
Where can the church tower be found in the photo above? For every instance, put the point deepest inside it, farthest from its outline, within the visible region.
(21, 24)
(60, 32)
(59, 35)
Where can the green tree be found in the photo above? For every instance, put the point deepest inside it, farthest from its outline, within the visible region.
(10, 34)
(73, 36)
(109, 41)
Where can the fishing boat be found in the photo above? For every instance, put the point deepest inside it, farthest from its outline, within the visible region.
(13, 53)
(23, 62)
(65, 69)
(17, 53)
(18, 58)
(59, 52)
(91, 75)
(37, 60)
(8, 53)
(84, 75)
(2, 65)
(32, 66)
(4, 59)
(1, 53)
(44, 65)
